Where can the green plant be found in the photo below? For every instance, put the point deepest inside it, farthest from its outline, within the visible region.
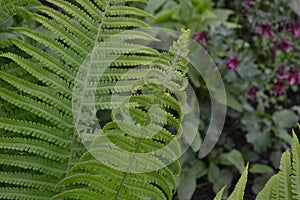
(39, 145)
(194, 14)
(283, 185)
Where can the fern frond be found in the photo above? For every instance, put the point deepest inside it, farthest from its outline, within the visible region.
(47, 60)
(239, 190)
(295, 177)
(285, 190)
(73, 42)
(57, 47)
(9, 8)
(78, 14)
(38, 108)
(118, 34)
(91, 9)
(41, 131)
(220, 194)
(38, 91)
(47, 77)
(123, 22)
(34, 163)
(44, 183)
(24, 194)
(79, 194)
(84, 37)
(69, 24)
(127, 10)
(125, 1)
(270, 188)
(33, 146)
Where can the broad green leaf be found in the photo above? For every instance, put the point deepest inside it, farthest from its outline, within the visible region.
(236, 158)
(259, 140)
(285, 118)
(187, 185)
(261, 169)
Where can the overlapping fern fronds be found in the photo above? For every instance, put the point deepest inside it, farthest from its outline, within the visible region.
(39, 146)
(131, 169)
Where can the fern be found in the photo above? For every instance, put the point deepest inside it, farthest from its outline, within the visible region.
(284, 185)
(39, 146)
(238, 192)
(121, 135)
(8, 8)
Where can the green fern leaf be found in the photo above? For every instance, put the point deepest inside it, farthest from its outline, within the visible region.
(37, 164)
(41, 131)
(24, 194)
(295, 177)
(33, 146)
(38, 91)
(39, 137)
(9, 8)
(40, 109)
(267, 193)
(285, 190)
(45, 183)
(220, 194)
(238, 193)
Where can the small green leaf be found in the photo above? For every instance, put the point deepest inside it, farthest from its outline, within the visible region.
(187, 185)
(233, 103)
(236, 158)
(261, 169)
(259, 140)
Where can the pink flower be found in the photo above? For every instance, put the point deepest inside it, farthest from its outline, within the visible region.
(284, 44)
(293, 77)
(280, 70)
(273, 50)
(202, 37)
(248, 4)
(265, 30)
(233, 62)
(293, 29)
(281, 26)
(278, 88)
(252, 92)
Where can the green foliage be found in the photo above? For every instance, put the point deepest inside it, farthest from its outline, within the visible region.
(8, 8)
(194, 14)
(39, 147)
(258, 123)
(283, 185)
(238, 192)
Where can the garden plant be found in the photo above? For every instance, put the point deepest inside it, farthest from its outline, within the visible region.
(149, 99)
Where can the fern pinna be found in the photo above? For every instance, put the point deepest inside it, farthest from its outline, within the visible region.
(42, 156)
